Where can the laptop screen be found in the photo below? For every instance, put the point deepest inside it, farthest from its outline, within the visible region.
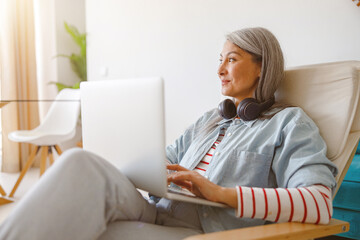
(123, 122)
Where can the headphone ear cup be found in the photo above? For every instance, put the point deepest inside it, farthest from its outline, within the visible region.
(248, 109)
(227, 109)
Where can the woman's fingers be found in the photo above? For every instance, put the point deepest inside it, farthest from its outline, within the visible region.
(200, 186)
(184, 184)
(182, 176)
(176, 167)
(190, 180)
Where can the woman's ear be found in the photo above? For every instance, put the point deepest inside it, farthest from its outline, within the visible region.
(259, 69)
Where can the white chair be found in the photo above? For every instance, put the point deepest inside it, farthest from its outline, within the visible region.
(58, 126)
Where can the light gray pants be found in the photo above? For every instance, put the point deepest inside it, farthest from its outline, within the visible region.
(80, 195)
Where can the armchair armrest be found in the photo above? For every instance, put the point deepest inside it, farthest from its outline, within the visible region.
(279, 231)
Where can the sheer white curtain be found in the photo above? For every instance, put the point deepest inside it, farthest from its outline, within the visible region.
(46, 50)
(18, 77)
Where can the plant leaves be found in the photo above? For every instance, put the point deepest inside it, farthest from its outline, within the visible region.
(76, 85)
(60, 86)
(80, 39)
(78, 65)
(77, 61)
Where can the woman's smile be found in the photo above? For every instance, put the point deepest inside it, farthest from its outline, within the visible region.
(238, 72)
(225, 82)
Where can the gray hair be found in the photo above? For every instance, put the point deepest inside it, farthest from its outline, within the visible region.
(265, 49)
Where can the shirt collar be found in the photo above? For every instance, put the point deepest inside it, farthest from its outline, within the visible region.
(223, 121)
(247, 123)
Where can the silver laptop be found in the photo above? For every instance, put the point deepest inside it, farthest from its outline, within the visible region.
(123, 122)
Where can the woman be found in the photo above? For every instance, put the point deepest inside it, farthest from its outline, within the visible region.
(266, 161)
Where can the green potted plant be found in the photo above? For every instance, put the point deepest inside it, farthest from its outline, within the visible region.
(77, 61)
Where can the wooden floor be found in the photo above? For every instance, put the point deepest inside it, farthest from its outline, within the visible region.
(7, 181)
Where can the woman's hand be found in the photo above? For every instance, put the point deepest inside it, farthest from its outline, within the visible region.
(200, 186)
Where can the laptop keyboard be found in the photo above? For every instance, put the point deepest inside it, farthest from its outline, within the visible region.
(181, 191)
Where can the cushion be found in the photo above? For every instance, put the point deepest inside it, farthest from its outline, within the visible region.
(329, 94)
(139, 230)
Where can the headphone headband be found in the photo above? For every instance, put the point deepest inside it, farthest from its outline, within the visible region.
(248, 109)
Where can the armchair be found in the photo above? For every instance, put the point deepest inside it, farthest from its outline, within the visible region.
(329, 94)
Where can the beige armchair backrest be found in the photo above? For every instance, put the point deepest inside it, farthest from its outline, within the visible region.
(329, 94)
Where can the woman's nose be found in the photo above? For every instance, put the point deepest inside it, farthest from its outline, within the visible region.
(221, 69)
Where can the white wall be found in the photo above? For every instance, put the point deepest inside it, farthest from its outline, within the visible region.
(45, 45)
(181, 41)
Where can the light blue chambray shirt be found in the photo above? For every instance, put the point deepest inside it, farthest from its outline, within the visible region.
(284, 151)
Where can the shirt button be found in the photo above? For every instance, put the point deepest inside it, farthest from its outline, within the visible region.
(217, 153)
(205, 215)
(206, 177)
(229, 134)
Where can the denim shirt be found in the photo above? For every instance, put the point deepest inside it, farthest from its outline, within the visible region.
(284, 151)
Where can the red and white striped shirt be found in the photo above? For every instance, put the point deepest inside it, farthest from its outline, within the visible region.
(311, 204)
(204, 163)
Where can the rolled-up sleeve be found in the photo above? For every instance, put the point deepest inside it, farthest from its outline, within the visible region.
(300, 160)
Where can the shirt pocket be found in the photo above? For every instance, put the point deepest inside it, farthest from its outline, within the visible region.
(247, 169)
